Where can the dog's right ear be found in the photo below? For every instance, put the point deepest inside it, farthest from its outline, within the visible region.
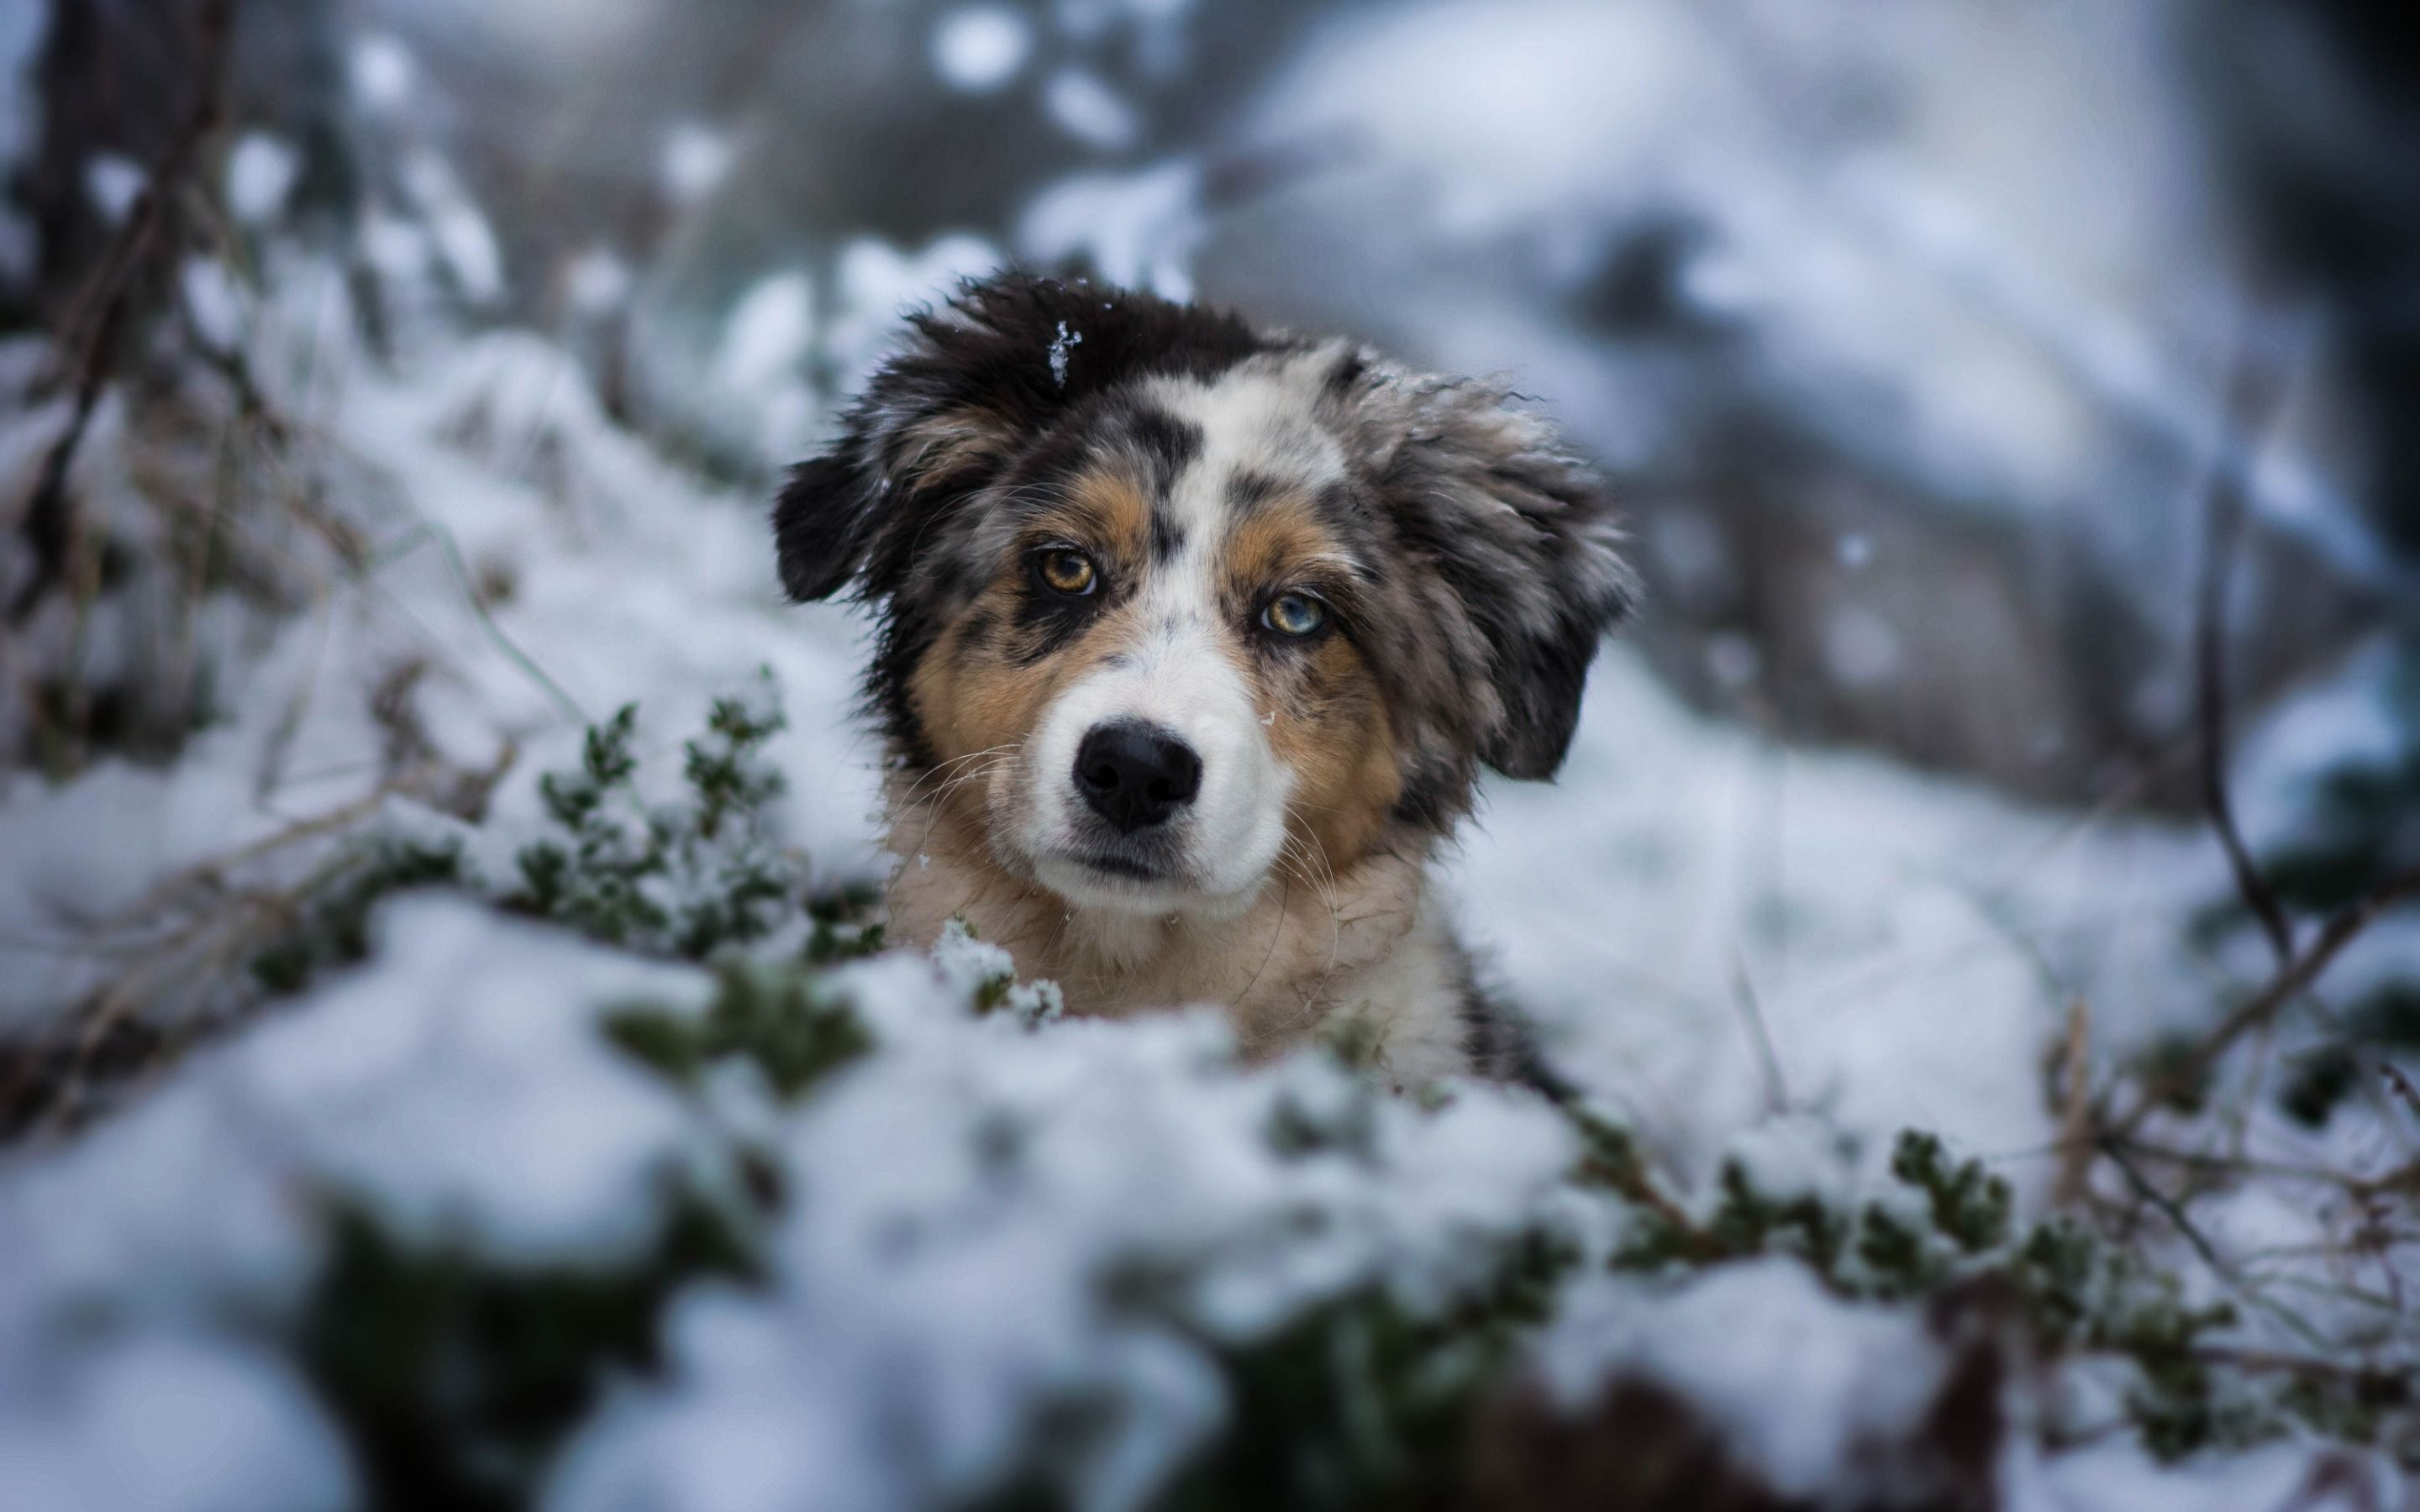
(935, 427)
(821, 525)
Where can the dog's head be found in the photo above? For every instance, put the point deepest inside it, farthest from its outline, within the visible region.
(1165, 598)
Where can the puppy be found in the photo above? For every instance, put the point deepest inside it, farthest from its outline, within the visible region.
(1193, 638)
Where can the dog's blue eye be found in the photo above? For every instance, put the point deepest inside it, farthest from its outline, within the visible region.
(1295, 614)
(1063, 571)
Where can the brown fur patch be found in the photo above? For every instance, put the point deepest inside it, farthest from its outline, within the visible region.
(955, 442)
(978, 692)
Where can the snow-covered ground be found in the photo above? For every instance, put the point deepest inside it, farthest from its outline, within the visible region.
(1783, 956)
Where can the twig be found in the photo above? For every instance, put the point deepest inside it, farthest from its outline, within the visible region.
(2396, 1179)
(2401, 1084)
(564, 703)
(2076, 1115)
(2282, 988)
(2168, 1207)
(2251, 404)
(1776, 1093)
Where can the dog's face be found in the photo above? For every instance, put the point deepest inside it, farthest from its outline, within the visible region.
(1168, 602)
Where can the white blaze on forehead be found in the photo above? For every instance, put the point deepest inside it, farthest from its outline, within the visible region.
(1255, 420)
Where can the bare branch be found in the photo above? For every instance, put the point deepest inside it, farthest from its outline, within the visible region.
(2252, 404)
(2296, 975)
(95, 328)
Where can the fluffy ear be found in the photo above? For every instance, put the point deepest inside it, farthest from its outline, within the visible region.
(820, 527)
(975, 384)
(1523, 536)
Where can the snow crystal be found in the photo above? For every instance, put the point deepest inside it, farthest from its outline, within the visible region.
(978, 48)
(1060, 345)
(1087, 109)
(693, 160)
(382, 73)
(113, 182)
(260, 174)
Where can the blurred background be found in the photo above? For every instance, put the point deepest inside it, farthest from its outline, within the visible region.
(1976, 915)
(1909, 329)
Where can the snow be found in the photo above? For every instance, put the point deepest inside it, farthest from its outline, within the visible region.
(163, 1424)
(457, 1086)
(459, 234)
(771, 332)
(260, 174)
(216, 301)
(1903, 941)
(113, 182)
(875, 283)
(2011, 288)
(596, 283)
(968, 1190)
(384, 73)
(2121, 1477)
(980, 48)
(1799, 1380)
(1138, 229)
(1861, 648)
(461, 459)
(693, 160)
(397, 249)
(415, 1083)
(1086, 108)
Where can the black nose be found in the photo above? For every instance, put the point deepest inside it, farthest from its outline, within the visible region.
(1134, 774)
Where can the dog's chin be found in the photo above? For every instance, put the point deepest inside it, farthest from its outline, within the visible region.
(1113, 884)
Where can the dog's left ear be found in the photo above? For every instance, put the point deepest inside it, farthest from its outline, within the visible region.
(1522, 534)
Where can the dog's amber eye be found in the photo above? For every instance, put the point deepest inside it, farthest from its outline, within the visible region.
(1063, 571)
(1295, 614)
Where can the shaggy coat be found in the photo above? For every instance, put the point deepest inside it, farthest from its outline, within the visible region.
(1193, 639)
